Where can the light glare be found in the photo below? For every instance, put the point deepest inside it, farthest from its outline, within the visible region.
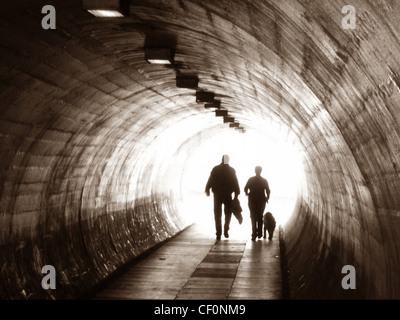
(281, 163)
(106, 13)
(159, 61)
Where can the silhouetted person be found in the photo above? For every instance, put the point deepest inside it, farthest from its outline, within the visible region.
(223, 182)
(258, 197)
(269, 224)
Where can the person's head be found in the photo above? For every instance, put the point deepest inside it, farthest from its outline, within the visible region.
(225, 159)
(258, 170)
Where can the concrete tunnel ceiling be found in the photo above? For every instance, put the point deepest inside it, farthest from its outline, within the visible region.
(83, 117)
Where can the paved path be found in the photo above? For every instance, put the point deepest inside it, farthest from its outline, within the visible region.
(193, 265)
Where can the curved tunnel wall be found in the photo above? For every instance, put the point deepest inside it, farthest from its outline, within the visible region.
(86, 165)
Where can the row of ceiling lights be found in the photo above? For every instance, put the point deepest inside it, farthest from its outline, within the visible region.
(162, 56)
(165, 56)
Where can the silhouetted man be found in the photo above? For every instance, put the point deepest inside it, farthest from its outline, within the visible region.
(223, 182)
(258, 197)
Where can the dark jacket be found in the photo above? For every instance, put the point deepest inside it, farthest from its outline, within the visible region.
(223, 181)
(257, 186)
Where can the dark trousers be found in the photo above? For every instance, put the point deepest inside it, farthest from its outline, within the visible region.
(218, 202)
(256, 215)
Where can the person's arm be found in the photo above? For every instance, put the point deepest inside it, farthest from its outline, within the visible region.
(267, 189)
(246, 188)
(236, 186)
(210, 183)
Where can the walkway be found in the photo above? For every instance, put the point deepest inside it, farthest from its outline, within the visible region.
(193, 265)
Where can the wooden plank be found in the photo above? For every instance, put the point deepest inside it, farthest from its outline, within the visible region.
(210, 284)
(223, 258)
(214, 273)
(220, 265)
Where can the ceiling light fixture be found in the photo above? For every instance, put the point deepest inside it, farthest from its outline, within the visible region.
(187, 81)
(106, 13)
(204, 96)
(107, 8)
(159, 55)
(228, 119)
(221, 113)
(214, 104)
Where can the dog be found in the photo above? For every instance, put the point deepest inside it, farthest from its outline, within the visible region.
(269, 224)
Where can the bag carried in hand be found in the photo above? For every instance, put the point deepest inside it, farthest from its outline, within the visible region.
(237, 210)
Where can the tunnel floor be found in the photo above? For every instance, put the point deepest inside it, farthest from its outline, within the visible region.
(193, 265)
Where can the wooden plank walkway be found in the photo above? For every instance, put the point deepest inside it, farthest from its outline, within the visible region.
(193, 265)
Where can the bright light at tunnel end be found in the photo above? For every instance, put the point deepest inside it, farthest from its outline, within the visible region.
(282, 167)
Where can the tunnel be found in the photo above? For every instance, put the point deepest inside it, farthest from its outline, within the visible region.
(98, 143)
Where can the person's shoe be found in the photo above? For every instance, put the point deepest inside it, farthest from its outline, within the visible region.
(269, 238)
(259, 236)
(226, 234)
(218, 237)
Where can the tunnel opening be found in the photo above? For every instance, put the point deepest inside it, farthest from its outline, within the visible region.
(281, 162)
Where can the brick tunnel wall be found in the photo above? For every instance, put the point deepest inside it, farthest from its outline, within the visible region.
(82, 121)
